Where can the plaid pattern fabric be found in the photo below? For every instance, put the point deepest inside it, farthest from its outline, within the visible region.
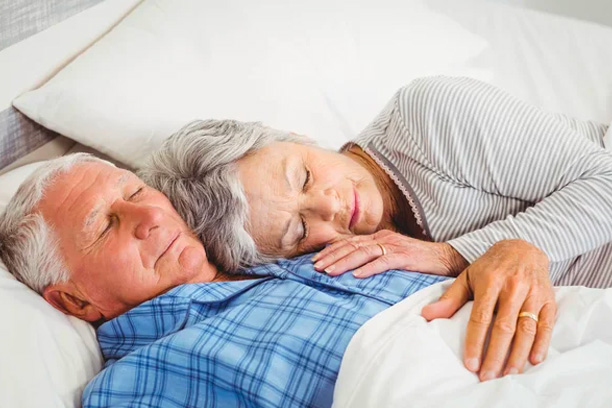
(274, 341)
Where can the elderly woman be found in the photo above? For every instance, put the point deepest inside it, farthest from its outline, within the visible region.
(454, 177)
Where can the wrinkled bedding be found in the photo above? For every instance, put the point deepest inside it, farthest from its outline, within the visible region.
(397, 359)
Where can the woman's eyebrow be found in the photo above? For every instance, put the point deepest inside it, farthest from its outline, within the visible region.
(284, 234)
(289, 171)
(285, 167)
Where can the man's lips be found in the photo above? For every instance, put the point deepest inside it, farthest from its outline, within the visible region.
(355, 214)
(172, 241)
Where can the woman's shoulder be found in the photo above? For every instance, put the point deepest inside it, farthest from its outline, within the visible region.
(417, 105)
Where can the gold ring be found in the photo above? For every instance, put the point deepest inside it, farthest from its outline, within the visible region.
(529, 315)
(382, 248)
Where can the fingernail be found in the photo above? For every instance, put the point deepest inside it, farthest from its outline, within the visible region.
(314, 258)
(472, 364)
(538, 358)
(358, 274)
(488, 375)
(330, 269)
(318, 264)
(512, 371)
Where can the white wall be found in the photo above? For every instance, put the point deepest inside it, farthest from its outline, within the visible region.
(599, 11)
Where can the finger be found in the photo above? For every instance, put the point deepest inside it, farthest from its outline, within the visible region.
(339, 244)
(380, 264)
(355, 259)
(452, 300)
(478, 326)
(330, 249)
(511, 299)
(545, 328)
(383, 233)
(339, 253)
(523, 339)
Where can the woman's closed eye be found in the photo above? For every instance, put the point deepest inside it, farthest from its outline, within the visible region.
(306, 180)
(304, 232)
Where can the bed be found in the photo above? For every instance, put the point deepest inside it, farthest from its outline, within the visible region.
(138, 70)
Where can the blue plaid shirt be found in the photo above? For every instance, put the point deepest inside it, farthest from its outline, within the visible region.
(274, 341)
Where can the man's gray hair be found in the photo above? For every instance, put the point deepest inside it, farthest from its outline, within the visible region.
(196, 169)
(28, 245)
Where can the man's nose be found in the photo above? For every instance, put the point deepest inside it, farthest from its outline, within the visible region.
(324, 204)
(142, 218)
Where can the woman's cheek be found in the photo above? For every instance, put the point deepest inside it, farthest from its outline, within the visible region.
(368, 218)
(367, 229)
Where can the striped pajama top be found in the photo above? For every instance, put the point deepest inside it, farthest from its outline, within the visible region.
(478, 166)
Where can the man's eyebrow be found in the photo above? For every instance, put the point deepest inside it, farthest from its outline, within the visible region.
(122, 180)
(89, 221)
(91, 217)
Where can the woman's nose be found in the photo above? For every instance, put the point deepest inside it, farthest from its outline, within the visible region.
(142, 218)
(324, 204)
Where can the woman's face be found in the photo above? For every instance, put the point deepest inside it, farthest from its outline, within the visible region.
(303, 197)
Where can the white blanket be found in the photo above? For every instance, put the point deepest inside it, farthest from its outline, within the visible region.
(397, 359)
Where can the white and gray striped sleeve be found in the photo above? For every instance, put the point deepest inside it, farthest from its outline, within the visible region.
(480, 137)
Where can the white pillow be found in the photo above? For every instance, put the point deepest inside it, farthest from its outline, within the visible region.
(46, 358)
(320, 67)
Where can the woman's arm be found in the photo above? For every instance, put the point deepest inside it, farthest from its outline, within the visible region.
(480, 137)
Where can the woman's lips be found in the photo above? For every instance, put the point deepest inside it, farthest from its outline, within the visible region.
(355, 215)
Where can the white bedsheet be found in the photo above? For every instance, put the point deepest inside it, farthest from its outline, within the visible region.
(397, 359)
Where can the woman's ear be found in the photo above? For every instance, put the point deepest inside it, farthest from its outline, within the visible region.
(64, 298)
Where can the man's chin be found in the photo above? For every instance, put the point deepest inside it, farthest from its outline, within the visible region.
(195, 266)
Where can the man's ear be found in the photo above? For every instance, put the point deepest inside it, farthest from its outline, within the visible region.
(66, 299)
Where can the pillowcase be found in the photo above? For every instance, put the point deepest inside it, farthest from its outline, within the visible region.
(323, 68)
(47, 358)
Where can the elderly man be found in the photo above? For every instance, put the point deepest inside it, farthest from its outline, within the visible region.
(95, 241)
(100, 245)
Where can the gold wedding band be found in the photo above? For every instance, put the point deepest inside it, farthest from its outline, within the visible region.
(382, 248)
(529, 315)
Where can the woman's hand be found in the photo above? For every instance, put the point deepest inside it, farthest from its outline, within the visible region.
(512, 275)
(384, 250)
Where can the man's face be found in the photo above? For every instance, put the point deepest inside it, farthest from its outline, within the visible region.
(122, 241)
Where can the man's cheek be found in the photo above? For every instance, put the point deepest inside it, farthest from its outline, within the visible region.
(191, 260)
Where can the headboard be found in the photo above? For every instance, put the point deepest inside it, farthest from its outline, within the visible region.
(37, 38)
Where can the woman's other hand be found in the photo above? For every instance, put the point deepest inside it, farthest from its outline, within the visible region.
(384, 250)
(511, 276)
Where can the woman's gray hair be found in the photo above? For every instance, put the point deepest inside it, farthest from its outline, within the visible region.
(196, 169)
(28, 245)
